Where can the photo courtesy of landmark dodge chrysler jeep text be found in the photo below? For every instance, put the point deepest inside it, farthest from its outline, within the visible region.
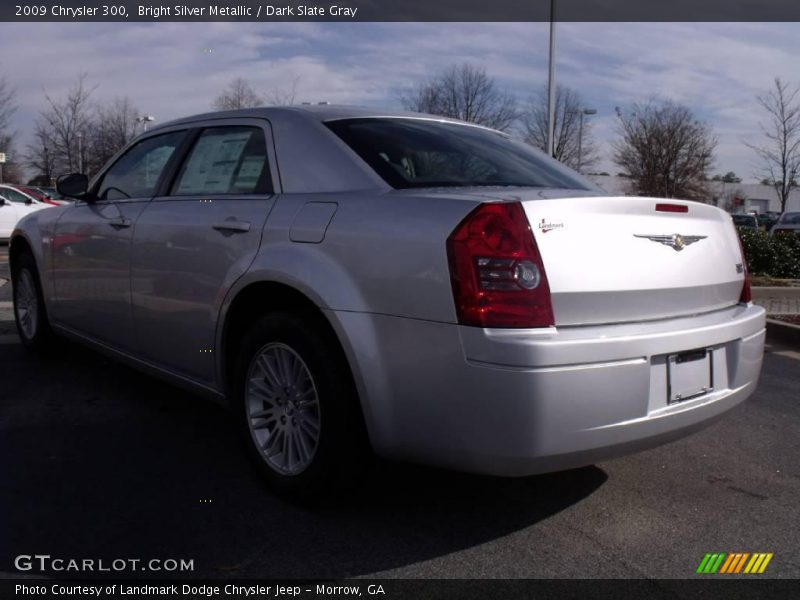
(351, 281)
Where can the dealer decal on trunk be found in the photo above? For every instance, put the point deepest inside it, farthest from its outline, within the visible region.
(544, 226)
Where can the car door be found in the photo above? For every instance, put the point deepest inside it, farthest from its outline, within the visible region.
(92, 241)
(8, 217)
(192, 243)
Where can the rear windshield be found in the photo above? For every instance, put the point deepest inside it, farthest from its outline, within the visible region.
(410, 153)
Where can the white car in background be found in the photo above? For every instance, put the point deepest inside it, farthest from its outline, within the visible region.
(12, 210)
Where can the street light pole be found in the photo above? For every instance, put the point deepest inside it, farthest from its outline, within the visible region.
(144, 120)
(551, 88)
(585, 111)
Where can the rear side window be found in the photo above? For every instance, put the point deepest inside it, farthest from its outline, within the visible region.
(225, 160)
(136, 173)
(14, 196)
(409, 153)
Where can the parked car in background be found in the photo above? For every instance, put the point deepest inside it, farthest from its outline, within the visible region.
(347, 279)
(34, 193)
(767, 220)
(40, 195)
(15, 194)
(789, 223)
(53, 195)
(12, 211)
(749, 221)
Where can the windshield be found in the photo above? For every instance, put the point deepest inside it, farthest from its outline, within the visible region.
(409, 153)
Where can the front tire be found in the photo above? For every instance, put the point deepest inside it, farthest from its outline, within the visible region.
(298, 407)
(30, 313)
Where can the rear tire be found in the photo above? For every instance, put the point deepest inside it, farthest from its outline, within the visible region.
(298, 408)
(30, 312)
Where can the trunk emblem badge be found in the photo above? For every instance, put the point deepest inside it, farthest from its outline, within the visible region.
(676, 241)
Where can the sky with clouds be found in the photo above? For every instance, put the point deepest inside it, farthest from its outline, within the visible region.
(171, 70)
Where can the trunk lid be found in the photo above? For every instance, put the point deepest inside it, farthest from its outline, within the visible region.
(618, 259)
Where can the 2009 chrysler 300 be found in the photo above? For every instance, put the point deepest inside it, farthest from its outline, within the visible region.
(431, 289)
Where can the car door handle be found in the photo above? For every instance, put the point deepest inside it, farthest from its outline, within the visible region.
(232, 225)
(120, 222)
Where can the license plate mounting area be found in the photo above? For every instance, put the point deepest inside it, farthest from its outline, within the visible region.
(690, 374)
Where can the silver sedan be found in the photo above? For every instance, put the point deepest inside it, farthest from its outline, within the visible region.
(351, 281)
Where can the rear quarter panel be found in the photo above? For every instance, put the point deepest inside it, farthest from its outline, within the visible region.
(382, 253)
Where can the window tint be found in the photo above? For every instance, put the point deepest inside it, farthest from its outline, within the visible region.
(225, 160)
(136, 173)
(421, 153)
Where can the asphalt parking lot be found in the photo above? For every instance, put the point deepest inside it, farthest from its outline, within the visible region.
(98, 460)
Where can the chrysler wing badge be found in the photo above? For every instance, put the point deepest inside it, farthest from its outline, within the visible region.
(676, 241)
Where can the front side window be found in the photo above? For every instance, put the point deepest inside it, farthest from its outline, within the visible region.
(410, 153)
(136, 173)
(225, 160)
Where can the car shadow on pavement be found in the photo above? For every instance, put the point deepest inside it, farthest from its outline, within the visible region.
(99, 461)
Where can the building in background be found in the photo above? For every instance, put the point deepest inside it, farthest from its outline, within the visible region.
(733, 197)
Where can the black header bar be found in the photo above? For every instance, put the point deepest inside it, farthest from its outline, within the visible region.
(401, 10)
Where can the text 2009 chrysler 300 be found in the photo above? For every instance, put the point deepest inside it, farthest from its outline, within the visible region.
(428, 288)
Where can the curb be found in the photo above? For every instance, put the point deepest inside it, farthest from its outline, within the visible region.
(776, 292)
(784, 332)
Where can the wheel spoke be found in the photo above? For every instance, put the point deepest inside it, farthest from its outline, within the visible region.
(283, 360)
(300, 448)
(271, 447)
(271, 371)
(267, 413)
(311, 427)
(262, 389)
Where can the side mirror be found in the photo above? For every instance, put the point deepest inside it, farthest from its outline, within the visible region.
(73, 185)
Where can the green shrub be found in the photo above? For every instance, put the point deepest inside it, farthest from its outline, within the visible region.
(777, 256)
(786, 256)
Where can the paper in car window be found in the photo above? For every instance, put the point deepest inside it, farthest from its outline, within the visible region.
(212, 163)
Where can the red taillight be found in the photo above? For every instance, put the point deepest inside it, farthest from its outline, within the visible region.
(676, 208)
(746, 295)
(497, 273)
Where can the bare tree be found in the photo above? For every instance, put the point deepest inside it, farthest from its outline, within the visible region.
(780, 152)
(66, 126)
(463, 92)
(283, 97)
(238, 94)
(39, 155)
(574, 143)
(8, 106)
(113, 126)
(104, 128)
(665, 150)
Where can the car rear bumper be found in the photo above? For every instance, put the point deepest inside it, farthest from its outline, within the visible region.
(518, 402)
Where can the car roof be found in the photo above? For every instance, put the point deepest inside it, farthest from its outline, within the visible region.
(313, 112)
